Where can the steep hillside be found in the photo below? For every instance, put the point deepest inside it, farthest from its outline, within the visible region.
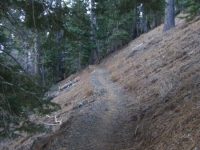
(145, 96)
(162, 74)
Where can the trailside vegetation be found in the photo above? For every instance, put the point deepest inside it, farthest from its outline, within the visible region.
(44, 41)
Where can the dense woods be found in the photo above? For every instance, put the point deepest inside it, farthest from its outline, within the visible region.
(44, 41)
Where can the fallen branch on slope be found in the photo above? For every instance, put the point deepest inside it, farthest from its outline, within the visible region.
(57, 122)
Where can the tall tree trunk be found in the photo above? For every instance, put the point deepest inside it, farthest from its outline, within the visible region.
(43, 75)
(134, 26)
(58, 37)
(37, 55)
(144, 23)
(169, 15)
(92, 20)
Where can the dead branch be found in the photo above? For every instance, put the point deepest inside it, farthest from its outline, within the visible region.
(65, 85)
(136, 129)
(57, 122)
(49, 124)
(54, 94)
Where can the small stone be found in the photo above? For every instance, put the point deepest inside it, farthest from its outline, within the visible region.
(186, 98)
(155, 134)
(196, 148)
(189, 134)
(16, 132)
(80, 104)
(190, 53)
(106, 109)
(154, 80)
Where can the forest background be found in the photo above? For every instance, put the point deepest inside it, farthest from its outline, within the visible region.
(45, 41)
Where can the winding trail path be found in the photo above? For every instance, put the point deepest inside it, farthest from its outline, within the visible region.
(104, 124)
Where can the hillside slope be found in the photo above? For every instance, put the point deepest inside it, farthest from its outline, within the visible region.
(145, 96)
(162, 74)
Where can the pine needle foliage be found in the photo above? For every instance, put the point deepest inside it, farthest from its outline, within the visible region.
(192, 8)
(20, 97)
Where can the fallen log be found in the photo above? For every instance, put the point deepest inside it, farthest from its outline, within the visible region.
(52, 95)
(66, 85)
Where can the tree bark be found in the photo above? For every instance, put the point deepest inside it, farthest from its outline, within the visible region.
(169, 15)
(144, 23)
(58, 37)
(37, 55)
(134, 25)
(92, 20)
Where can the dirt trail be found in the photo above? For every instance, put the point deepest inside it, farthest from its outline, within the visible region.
(113, 129)
(102, 125)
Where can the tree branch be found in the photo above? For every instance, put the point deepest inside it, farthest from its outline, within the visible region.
(33, 9)
(15, 61)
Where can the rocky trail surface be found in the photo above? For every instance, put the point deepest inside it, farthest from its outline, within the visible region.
(104, 124)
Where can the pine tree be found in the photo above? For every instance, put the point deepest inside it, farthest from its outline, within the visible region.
(192, 8)
(20, 95)
(169, 15)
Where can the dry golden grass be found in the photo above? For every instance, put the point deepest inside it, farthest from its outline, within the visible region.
(114, 77)
(89, 93)
(79, 91)
(162, 76)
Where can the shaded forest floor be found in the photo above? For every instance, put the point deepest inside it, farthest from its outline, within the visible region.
(144, 96)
